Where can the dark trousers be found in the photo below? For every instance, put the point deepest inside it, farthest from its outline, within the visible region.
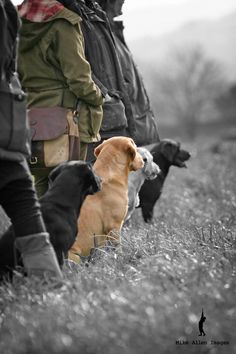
(18, 198)
(90, 152)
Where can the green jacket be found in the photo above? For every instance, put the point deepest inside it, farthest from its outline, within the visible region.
(54, 71)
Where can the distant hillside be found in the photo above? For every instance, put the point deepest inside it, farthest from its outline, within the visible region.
(217, 37)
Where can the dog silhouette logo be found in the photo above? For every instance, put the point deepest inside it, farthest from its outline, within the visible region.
(200, 325)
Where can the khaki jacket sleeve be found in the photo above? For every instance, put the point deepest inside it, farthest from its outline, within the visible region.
(76, 69)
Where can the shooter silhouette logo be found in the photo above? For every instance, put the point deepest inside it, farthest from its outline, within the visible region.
(200, 325)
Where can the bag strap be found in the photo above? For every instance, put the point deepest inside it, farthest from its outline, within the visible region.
(15, 87)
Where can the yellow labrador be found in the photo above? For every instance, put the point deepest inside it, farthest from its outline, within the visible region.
(102, 214)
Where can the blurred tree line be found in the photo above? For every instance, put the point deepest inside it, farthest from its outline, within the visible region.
(189, 91)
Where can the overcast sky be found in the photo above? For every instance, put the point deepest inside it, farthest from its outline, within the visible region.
(147, 17)
(152, 17)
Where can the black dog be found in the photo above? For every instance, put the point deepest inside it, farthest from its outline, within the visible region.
(166, 153)
(69, 185)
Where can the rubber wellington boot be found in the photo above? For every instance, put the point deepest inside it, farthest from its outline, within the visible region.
(38, 255)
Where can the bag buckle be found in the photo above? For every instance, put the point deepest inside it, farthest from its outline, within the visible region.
(33, 160)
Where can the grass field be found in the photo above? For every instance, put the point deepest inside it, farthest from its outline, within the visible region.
(148, 298)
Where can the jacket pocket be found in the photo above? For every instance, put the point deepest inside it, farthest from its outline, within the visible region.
(89, 120)
(96, 117)
(113, 115)
(14, 135)
(146, 129)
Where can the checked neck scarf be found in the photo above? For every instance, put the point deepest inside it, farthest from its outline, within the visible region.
(39, 10)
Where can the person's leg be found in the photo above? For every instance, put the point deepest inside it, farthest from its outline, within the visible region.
(19, 200)
(83, 151)
(40, 179)
(90, 157)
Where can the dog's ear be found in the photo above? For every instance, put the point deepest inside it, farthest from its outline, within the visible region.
(98, 149)
(136, 160)
(95, 184)
(131, 151)
(92, 180)
(169, 149)
(56, 171)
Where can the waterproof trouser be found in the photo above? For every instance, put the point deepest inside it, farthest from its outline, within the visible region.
(19, 201)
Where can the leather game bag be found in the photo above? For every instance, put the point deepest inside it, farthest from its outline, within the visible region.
(54, 136)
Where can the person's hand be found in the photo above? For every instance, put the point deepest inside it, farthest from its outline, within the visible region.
(108, 98)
